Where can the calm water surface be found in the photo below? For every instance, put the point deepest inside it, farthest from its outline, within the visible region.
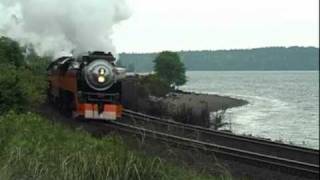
(283, 105)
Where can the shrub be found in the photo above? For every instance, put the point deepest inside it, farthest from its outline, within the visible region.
(20, 89)
(22, 79)
(154, 86)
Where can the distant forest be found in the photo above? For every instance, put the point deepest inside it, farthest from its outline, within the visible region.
(271, 58)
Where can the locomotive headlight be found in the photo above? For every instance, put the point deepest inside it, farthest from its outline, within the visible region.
(102, 71)
(101, 79)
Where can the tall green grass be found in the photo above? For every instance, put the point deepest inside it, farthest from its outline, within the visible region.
(34, 148)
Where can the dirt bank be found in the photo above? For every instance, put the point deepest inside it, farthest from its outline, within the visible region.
(147, 96)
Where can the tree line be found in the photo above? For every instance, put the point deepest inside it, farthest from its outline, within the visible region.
(270, 58)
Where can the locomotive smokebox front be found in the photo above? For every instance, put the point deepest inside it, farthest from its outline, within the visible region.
(99, 75)
(99, 71)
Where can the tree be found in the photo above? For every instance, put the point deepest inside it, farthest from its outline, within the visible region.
(22, 78)
(11, 52)
(170, 69)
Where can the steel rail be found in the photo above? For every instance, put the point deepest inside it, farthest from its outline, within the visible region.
(231, 140)
(262, 160)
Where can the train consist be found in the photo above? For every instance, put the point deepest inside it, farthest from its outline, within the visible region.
(87, 86)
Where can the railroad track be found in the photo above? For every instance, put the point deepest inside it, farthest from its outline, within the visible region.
(227, 139)
(281, 157)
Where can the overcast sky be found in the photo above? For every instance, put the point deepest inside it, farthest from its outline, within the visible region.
(157, 25)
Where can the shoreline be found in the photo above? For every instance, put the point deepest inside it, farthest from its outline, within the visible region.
(196, 101)
(182, 106)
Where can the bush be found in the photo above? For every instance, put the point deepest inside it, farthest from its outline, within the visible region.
(22, 79)
(20, 89)
(154, 86)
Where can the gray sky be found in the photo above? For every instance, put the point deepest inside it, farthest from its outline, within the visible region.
(157, 25)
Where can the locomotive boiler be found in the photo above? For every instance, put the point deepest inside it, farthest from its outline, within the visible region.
(87, 86)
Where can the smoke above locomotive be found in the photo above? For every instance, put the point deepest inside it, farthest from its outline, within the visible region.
(55, 26)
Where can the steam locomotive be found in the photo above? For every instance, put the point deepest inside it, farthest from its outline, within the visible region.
(87, 86)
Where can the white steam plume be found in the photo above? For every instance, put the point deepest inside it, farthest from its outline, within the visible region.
(55, 26)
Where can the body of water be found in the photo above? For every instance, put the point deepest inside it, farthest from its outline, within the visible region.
(283, 105)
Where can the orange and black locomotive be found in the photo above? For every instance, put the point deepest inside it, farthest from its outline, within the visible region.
(87, 86)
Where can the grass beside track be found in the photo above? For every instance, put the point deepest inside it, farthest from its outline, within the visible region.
(31, 147)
